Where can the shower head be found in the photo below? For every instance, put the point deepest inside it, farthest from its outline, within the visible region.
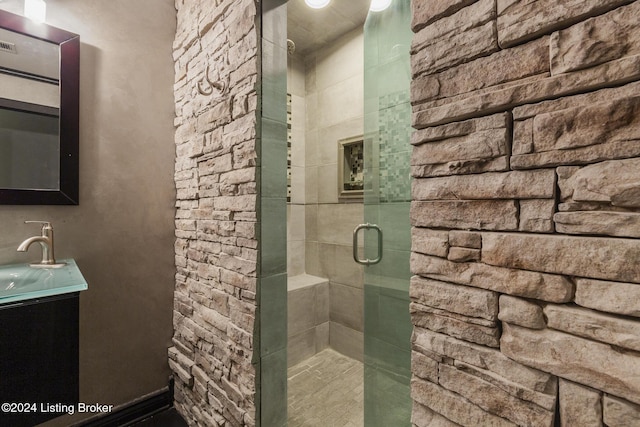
(291, 47)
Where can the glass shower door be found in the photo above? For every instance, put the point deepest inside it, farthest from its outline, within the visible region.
(387, 151)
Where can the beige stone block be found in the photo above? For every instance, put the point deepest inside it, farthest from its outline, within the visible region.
(612, 297)
(235, 203)
(522, 136)
(577, 359)
(604, 122)
(596, 40)
(521, 312)
(215, 116)
(185, 376)
(459, 129)
(430, 242)
(425, 13)
(596, 326)
(578, 156)
(239, 265)
(238, 176)
(459, 299)
(493, 399)
(465, 239)
(537, 215)
(502, 68)
(566, 182)
(424, 367)
(431, 355)
(621, 224)
(477, 146)
(421, 416)
(418, 310)
(465, 214)
(211, 317)
(618, 412)
(588, 206)
(538, 184)
(455, 327)
(529, 92)
(579, 405)
(461, 167)
(607, 94)
(593, 257)
(458, 254)
(453, 406)
(615, 181)
(467, 34)
(488, 359)
(546, 400)
(528, 284)
(519, 21)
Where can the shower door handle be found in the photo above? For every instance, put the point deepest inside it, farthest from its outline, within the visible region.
(356, 257)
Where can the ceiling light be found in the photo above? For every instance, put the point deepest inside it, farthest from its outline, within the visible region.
(317, 4)
(379, 5)
(36, 10)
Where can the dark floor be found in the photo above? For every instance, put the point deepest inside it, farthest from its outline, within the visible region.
(166, 418)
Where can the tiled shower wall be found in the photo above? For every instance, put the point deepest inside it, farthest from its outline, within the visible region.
(296, 227)
(526, 213)
(327, 97)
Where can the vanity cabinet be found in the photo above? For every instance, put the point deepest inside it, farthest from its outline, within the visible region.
(39, 358)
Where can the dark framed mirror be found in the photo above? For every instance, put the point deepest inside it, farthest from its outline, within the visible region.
(39, 113)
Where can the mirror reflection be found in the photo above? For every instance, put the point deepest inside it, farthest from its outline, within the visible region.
(27, 56)
(29, 150)
(39, 79)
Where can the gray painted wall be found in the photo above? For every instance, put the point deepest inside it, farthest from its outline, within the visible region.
(121, 234)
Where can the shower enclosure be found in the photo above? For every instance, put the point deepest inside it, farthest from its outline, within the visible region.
(374, 190)
(387, 327)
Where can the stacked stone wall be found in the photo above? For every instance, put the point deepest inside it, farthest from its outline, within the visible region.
(216, 247)
(526, 213)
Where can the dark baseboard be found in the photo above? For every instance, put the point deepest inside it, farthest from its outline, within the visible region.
(135, 412)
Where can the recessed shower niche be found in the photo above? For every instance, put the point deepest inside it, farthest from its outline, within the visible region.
(351, 168)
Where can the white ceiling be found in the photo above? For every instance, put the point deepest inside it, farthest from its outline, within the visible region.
(312, 28)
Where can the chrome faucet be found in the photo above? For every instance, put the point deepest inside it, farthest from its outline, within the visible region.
(46, 242)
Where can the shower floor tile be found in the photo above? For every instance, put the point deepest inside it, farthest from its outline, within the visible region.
(326, 390)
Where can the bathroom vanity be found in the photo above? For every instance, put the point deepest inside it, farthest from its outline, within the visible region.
(39, 328)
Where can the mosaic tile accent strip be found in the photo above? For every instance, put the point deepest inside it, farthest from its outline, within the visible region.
(395, 151)
(289, 141)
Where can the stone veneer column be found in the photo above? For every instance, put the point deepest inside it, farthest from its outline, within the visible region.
(526, 212)
(216, 48)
